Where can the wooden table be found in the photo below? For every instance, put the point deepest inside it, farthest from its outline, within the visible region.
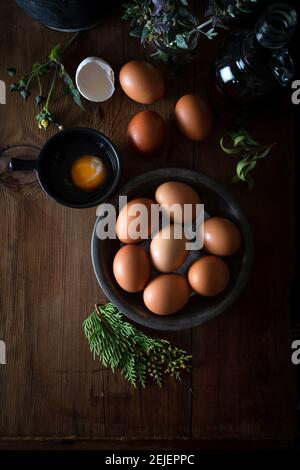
(51, 391)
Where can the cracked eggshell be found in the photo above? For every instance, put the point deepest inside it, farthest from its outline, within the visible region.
(95, 79)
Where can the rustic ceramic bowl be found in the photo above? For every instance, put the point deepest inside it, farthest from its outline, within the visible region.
(218, 202)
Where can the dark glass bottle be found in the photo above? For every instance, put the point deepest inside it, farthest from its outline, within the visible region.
(253, 65)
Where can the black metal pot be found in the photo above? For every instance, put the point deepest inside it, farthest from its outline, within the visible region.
(68, 15)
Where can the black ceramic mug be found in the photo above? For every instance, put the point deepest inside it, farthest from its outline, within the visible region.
(54, 163)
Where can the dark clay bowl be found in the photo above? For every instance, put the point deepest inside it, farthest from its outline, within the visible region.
(218, 202)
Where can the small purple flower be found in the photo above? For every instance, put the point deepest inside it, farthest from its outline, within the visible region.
(161, 27)
(159, 5)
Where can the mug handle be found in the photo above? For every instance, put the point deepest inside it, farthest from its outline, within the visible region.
(16, 164)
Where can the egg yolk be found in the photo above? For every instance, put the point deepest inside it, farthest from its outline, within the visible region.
(88, 173)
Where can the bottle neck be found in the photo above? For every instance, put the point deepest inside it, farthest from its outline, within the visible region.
(276, 26)
(271, 34)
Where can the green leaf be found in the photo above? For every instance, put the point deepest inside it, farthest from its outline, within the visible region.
(145, 33)
(228, 150)
(22, 83)
(55, 53)
(240, 169)
(211, 33)
(35, 67)
(70, 86)
(136, 32)
(181, 42)
(45, 69)
(25, 94)
(39, 100)
(14, 87)
(163, 56)
(243, 168)
(11, 71)
(238, 139)
(263, 154)
(250, 151)
(250, 140)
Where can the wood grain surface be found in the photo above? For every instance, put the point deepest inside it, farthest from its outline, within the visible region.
(241, 386)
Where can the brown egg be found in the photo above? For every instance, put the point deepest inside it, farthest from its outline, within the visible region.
(209, 276)
(221, 237)
(146, 131)
(174, 192)
(129, 217)
(194, 117)
(131, 268)
(167, 294)
(167, 252)
(142, 82)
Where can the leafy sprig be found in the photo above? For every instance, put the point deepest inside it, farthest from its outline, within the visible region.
(121, 346)
(53, 66)
(167, 21)
(222, 10)
(249, 150)
(164, 21)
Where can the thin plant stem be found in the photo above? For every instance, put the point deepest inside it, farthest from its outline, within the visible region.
(40, 85)
(36, 72)
(71, 40)
(200, 27)
(203, 25)
(28, 83)
(51, 90)
(38, 69)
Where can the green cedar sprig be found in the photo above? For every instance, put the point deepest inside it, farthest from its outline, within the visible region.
(53, 66)
(249, 150)
(121, 346)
